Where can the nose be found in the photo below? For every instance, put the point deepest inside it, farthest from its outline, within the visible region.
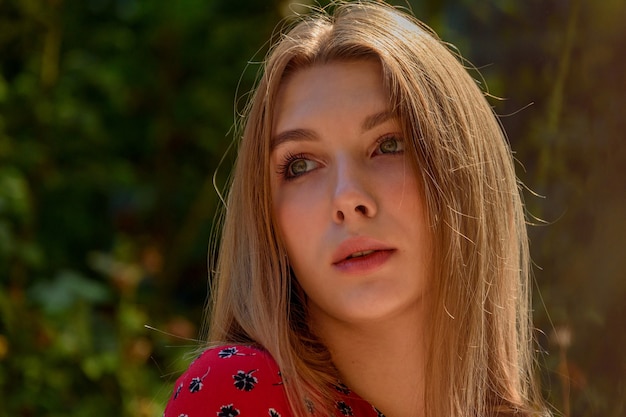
(352, 197)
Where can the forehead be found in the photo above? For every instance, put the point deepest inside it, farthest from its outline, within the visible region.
(338, 87)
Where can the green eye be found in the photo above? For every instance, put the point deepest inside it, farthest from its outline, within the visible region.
(391, 145)
(299, 167)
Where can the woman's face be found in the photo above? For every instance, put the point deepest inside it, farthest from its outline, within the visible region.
(345, 197)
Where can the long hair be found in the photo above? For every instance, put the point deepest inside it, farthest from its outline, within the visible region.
(479, 360)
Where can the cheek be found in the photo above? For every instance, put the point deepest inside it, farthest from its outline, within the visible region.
(297, 212)
(406, 204)
(400, 189)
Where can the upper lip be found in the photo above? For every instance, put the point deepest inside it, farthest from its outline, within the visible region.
(355, 245)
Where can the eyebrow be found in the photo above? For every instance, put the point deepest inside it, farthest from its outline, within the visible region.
(369, 123)
(376, 119)
(292, 135)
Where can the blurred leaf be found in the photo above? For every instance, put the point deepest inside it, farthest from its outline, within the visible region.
(98, 365)
(14, 198)
(65, 290)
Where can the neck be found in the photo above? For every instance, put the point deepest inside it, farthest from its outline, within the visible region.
(383, 362)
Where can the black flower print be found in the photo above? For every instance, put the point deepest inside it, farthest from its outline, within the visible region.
(228, 352)
(280, 379)
(245, 381)
(342, 388)
(178, 390)
(228, 411)
(344, 408)
(196, 383)
(309, 406)
(274, 413)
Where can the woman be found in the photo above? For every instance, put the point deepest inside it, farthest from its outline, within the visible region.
(374, 256)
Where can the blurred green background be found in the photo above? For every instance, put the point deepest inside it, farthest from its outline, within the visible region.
(115, 114)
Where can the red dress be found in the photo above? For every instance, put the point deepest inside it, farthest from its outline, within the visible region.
(243, 381)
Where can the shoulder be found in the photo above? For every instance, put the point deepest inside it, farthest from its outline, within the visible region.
(230, 381)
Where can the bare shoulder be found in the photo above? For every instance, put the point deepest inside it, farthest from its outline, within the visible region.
(230, 381)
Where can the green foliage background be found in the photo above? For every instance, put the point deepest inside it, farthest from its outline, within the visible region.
(115, 114)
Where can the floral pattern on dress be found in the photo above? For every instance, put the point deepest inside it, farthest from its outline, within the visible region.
(228, 411)
(196, 382)
(255, 389)
(178, 390)
(229, 352)
(244, 380)
(342, 388)
(344, 408)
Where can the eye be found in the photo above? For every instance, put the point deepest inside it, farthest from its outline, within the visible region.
(294, 166)
(389, 145)
(299, 167)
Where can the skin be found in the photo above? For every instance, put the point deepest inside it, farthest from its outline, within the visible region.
(341, 184)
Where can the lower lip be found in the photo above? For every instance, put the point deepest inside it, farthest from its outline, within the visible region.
(363, 264)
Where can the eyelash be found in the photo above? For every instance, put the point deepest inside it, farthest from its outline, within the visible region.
(283, 169)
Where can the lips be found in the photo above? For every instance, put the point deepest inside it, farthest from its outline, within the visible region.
(361, 253)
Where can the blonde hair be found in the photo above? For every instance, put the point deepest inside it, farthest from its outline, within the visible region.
(479, 359)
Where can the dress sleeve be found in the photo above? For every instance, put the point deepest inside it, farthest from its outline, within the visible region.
(230, 381)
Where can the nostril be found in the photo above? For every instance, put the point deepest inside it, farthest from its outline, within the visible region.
(361, 209)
